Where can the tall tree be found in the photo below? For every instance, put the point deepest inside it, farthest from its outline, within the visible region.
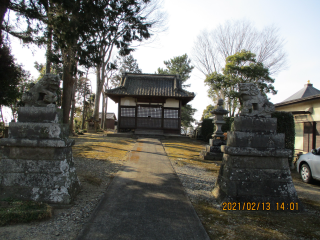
(178, 65)
(211, 49)
(125, 64)
(241, 67)
(125, 23)
(207, 112)
(181, 65)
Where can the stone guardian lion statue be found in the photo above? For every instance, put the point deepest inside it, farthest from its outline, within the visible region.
(43, 93)
(253, 102)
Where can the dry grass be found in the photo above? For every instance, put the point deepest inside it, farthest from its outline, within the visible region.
(187, 151)
(99, 147)
(244, 225)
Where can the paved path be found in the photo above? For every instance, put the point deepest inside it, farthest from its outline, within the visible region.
(145, 201)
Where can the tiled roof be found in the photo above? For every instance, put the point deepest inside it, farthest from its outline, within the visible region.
(307, 91)
(150, 85)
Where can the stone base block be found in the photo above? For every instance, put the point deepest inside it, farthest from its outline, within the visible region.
(256, 140)
(255, 124)
(211, 155)
(40, 114)
(38, 130)
(217, 142)
(215, 149)
(256, 179)
(40, 174)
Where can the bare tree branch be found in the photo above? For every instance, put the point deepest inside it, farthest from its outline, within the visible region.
(211, 49)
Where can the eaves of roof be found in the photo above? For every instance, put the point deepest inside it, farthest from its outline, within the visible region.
(299, 100)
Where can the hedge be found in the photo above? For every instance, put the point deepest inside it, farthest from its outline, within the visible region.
(285, 124)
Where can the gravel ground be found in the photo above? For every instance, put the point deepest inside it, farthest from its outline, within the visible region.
(66, 223)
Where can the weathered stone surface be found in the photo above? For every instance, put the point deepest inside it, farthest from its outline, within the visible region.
(259, 152)
(211, 155)
(254, 103)
(255, 124)
(216, 142)
(249, 162)
(36, 160)
(37, 153)
(256, 140)
(11, 142)
(40, 114)
(44, 92)
(38, 130)
(255, 162)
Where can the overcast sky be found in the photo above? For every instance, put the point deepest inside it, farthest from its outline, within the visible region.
(298, 23)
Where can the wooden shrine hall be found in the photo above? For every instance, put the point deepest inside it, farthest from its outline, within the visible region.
(150, 102)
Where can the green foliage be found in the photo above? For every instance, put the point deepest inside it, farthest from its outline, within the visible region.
(126, 64)
(178, 65)
(187, 113)
(17, 211)
(10, 73)
(207, 129)
(207, 112)
(285, 124)
(240, 68)
(181, 65)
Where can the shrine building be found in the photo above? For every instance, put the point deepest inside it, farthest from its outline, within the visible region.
(150, 102)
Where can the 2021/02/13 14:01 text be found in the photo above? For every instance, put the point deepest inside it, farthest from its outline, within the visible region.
(259, 206)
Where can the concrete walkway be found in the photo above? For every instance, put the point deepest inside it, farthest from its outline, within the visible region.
(145, 201)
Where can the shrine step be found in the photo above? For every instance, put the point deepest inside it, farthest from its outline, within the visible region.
(148, 132)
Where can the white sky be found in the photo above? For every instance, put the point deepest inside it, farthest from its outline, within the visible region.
(298, 22)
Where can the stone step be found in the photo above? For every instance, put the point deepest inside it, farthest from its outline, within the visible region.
(148, 132)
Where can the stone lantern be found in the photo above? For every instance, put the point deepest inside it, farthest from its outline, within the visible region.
(219, 112)
(213, 150)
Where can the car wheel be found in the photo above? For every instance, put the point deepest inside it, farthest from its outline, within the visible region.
(305, 173)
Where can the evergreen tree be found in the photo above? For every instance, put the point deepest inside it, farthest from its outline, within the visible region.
(178, 65)
(126, 64)
(240, 68)
(207, 112)
(181, 65)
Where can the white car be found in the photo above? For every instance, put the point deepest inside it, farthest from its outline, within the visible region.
(308, 165)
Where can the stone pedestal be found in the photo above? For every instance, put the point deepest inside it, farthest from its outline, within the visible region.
(255, 166)
(36, 161)
(213, 150)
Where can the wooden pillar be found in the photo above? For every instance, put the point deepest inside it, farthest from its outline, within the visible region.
(136, 116)
(119, 115)
(314, 135)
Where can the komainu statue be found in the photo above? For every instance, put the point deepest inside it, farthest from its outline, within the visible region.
(43, 92)
(254, 103)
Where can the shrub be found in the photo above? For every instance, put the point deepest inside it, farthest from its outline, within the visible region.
(18, 211)
(285, 124)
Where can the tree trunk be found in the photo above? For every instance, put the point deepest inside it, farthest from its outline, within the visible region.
(103, 115)
(73, 106)
(100, 83)
(3, 9)
(84, 105)
(48, 54)
(1, 114)
(67, 85)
